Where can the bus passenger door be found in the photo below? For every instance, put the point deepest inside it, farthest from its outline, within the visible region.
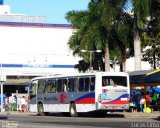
(33, 96)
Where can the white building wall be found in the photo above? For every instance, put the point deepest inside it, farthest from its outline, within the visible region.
(29, 50)
(4, 9)
(130, 65)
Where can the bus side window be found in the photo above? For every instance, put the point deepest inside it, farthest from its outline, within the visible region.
(92, 84)
(87, 81)
(105, 81)
(41, 86)
(51, 86)
(111, 82)
(47, 89)
(72, 84)
(81, 85)
(59, 85)
(65, 85)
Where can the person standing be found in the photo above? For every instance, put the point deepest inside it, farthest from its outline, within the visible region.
(142, 103)
(23, 104)
(154, 98)
(148, 99)
(135, 102)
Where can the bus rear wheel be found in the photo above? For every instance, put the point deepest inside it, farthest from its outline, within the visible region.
(41, 110)
(73, 110)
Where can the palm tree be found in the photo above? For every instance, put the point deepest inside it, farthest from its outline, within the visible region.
(122, 37)
(90, 34)
(140, 10)
(93, 33)
(118, 24)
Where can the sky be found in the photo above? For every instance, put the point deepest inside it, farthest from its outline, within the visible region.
(54, 10)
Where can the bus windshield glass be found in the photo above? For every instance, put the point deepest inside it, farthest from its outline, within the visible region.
(114, 81)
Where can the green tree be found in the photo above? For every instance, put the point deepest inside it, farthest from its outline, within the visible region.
(90, 34)
(151, 36)
(118, 23)
(140, 10)
(152, 52)
(103, 26)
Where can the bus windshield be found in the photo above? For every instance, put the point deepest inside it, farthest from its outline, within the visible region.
(114, 80)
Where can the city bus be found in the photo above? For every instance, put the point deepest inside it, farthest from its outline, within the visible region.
(98, 92)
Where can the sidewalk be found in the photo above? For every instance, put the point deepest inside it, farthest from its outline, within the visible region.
(155, 114)
(15, 112)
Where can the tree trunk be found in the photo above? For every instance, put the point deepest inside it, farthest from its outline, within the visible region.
(107, 60)
(137, 47)
(124, 66)
(121, 67)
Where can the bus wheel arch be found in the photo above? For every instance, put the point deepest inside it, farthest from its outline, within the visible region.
(73, 110)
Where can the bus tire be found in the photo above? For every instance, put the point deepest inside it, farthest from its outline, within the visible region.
(41, 110)
(73, 110)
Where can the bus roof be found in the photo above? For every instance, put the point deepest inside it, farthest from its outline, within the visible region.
(82, 74)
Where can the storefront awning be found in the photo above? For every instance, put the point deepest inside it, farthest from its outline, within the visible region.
(153, 77)
(144, 78)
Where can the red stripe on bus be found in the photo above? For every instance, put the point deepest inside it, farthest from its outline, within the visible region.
(116, 102)
(86, 101)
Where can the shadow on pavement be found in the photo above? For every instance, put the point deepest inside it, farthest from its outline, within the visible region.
(96, 115)
(115, 115)
(158, 118)
(3, 117)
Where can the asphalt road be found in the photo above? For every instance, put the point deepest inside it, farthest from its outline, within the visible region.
(58, 121)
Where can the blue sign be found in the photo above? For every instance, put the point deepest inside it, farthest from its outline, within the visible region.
(1, 2)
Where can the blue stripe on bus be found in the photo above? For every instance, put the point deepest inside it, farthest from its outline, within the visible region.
(122, 96)
(89, 95)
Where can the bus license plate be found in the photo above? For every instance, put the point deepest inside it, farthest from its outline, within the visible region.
(114, 107)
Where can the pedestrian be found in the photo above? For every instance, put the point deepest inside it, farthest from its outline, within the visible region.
(154, 98)
(142, 103)
(6, 104)
(14, 104)
(27, 103)
(23, 104)
(148, 99)
(135, 102)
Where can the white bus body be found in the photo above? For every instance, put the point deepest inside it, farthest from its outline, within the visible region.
(83, 92)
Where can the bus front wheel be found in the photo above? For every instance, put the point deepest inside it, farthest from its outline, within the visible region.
(72, 110)
(41, 110)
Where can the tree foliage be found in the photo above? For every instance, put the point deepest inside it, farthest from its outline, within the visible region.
(112, 26)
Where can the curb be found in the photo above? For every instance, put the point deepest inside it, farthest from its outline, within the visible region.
(17, 113)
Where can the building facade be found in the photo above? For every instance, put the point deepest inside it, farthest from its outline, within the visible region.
(31, 47)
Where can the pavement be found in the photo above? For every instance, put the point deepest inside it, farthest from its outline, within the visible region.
(17, 113)
(154, 114)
